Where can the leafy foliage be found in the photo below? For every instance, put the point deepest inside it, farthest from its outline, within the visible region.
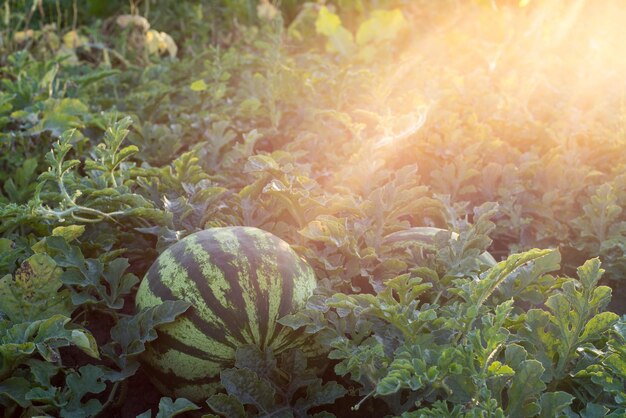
(416, 154)
(466, 348)
(272, 387)
(169, 408)
(33, 293)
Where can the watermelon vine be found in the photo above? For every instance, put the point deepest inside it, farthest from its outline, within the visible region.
(245, 208)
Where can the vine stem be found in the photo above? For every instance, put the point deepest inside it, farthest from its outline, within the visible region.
(71, 212)
(110, 398)
(358, 405)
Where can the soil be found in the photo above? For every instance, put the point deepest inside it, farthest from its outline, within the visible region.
(137, 396)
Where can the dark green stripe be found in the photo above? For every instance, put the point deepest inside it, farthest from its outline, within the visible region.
(165, 341)
(287, 274)
(158, 288)
(173, 381)
(236, 319)
(289, 340)
(251, 248)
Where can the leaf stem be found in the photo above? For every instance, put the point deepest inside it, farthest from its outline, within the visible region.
(358, 405)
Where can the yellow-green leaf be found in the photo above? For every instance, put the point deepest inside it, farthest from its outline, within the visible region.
(499, 369)
(85, 341)
(598, 325)
(383, 25)
(198, 85)
(340, 39)
(32, 293)
(327, 22)
(69, 233)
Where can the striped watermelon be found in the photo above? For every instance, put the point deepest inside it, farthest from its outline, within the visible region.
(239, 280)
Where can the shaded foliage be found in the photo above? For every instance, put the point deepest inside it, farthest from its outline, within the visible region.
(417, 184)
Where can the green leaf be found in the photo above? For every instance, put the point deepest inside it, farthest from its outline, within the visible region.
(91, 281)
(69, 233)
(598, 326)
(130, 334)
(327, 22)
(85, 341)
(62, 115)
(339, 38)
(295, 321)
(5, 245)
(15, 388)
(594, 410)
(476, 292)
(383, 25)
(526, 386)
(51, 333)
(95, 76)
(118, 283)
(42, 371)
(252, 358)
(617, 363)
(260, 162)
(318, 394)
(498, 369)
(525, 283)
(125, 153)
(537, 331)
(590, 272)
(20, 187)
(198, 85)
(483, 288)
(226, 405)
(294, 363)
(34, 293)
(64, 254)
(515, 355)
(89, 379)
(169, 408)
(553, 403)
(246, 386)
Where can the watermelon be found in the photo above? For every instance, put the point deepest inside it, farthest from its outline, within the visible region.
(239, 281)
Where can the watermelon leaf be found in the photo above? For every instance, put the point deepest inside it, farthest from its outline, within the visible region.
(553, 403)
(249, 388)
(89, 379)
(525, 387)
(594, 410)
(15, 389)
(130, 334)
(169, 408)
(252, 358)
(294, 363)
(118, 282)
(44, 337)
(34, 292)
(272, 385)
(227, 405)
(91, 281)
(573, 321)
(318, 394)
